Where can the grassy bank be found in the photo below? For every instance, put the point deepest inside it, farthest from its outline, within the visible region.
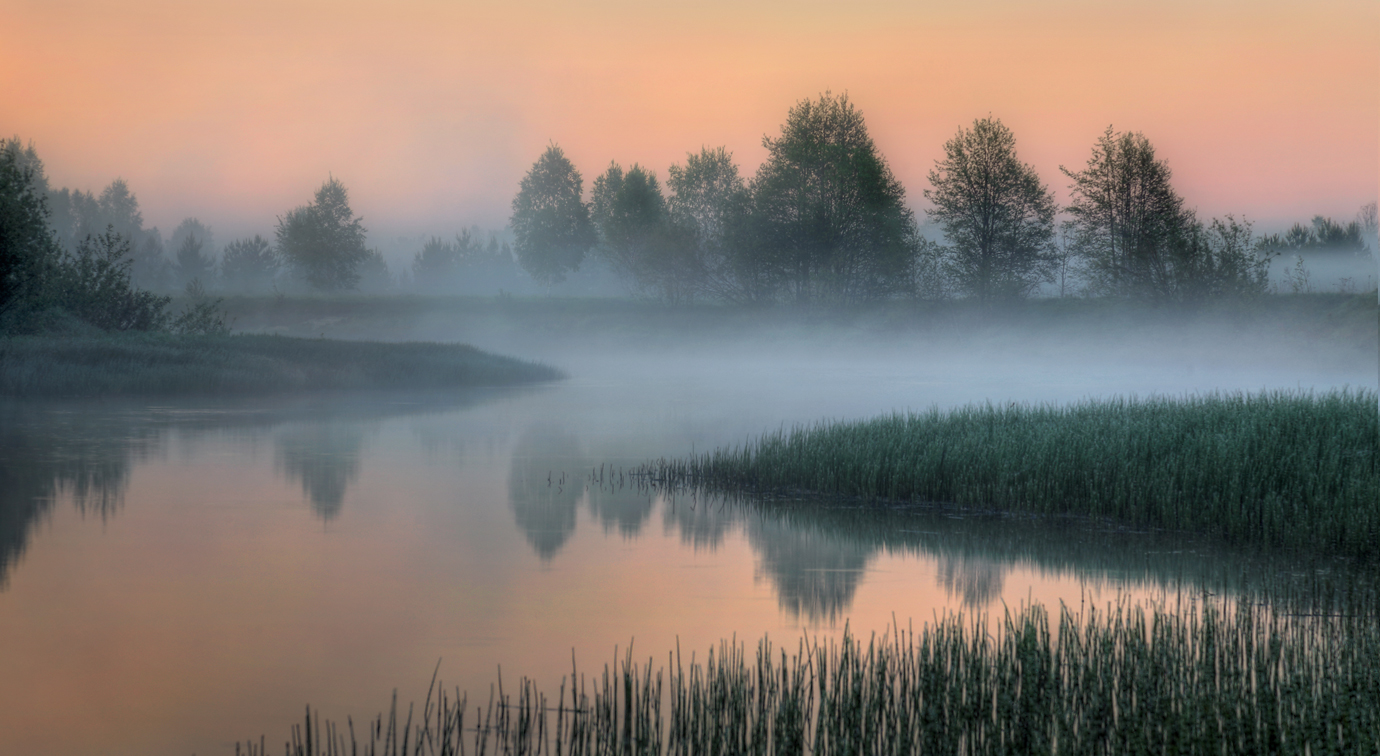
(163, 364)
(1277, 469)
(1187, 679)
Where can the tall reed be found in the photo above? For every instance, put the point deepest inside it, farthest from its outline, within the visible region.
(1278, 468)
(1194, 678)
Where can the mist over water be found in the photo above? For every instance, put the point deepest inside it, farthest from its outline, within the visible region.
(188, 573)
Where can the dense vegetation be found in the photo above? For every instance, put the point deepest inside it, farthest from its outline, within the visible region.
(1193, 679)
(1279, 469)
(153, 363)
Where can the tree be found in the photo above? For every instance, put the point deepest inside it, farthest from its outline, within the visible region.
(708, 200)
(997, 215)
(324, 242)
(191, 263)
(1126, 217)
(27, 247)
(249, 265)
(831, 220)
(551, 225)
(636, 236)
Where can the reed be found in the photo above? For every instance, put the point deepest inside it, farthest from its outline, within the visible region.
(142, 364)
(1280, 469)
(1194, 678)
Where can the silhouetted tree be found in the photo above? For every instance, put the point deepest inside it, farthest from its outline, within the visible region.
(636, 236)
(374, 275)
(323, 242)
(551, 225)
(249, 265)
(93, 284)
(1126, 218)
(1321, 235)
(28, 250)
(998, 217)
(832, 218)
(708, 200)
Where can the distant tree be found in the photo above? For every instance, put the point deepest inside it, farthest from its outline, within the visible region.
(323, 242)
(830, 218)
(374, 275)
(998, 217)
(708, 200)
(636, 235)
(1322, 235)
(28, 250)
(1126, 217)
(194, 260)
(1220, 259)
(551, 225)
(192, 228)
(249, 265)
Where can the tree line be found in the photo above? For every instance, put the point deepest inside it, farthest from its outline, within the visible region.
(825, 220)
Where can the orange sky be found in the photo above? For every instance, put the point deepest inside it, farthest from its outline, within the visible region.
(431, 111)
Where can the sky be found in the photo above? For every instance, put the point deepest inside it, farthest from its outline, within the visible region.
(431, 111)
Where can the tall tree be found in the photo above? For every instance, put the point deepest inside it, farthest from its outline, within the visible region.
(997, 215)
(1126, 217)
(832, 218)
(708, 200)
(636, 236)
(551, 225)
(324, 242)
(27, 248)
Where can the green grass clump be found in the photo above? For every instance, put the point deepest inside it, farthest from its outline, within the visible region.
(1195, 678)
(1280, 469)
(164, 364)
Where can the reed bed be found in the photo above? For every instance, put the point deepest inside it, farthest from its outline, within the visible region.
(161, 364)
(1279, 469)
(1205, 678)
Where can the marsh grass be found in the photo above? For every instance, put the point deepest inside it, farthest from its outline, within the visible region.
(1278, 469)
(1194, 678)
(161, 364)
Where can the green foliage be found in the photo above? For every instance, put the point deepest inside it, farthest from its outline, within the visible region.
(28, 250)
(323, 243)
(551, 223)
(1206, 679)
(708, 203)
(998, 217)
(1126, 217)
(1287, 470)
(202, 316)
(250, 265)
(93, 283)
(150, 364)
(637, 236)
(831, 223)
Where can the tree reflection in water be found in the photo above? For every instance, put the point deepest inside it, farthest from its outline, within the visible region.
(324, 458)
(815, 573)
(544, 487)
(975, 580)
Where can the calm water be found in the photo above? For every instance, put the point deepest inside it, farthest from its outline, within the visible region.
(177, 576)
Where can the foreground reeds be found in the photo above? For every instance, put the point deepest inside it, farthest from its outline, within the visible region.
(162, 364)
(1279, 469)
(1196, 678)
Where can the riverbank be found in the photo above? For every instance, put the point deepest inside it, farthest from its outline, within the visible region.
(142, 364)
(1277, 469)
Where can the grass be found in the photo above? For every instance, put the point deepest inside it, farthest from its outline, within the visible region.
(162, 364)
(1195, 678)
(1279, 469)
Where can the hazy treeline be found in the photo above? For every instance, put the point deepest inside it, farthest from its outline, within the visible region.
(825, 220)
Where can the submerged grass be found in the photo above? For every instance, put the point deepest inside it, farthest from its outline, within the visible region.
(1197, 678)
(1279, 469)
(162, 364)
